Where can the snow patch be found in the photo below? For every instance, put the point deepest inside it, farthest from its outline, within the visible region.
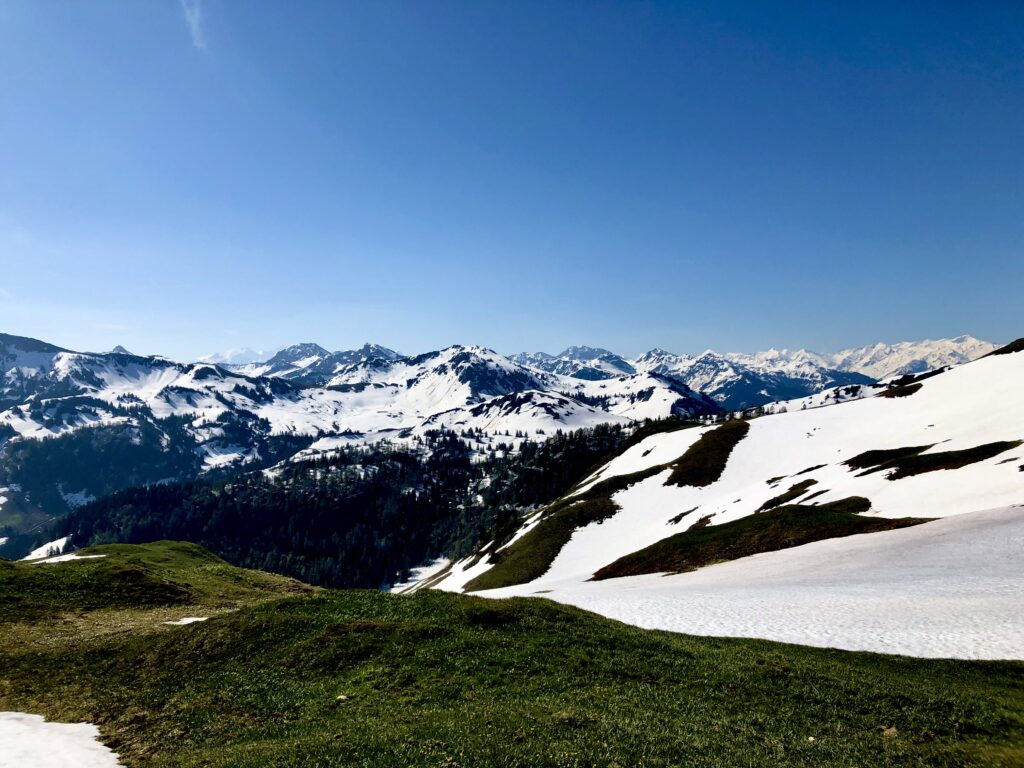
(49, 549)
(65, 558)
(28, 741)
(421, 574)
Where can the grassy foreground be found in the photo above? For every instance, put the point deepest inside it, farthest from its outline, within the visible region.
(285, 676)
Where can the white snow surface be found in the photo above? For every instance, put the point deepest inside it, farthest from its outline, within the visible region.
(29, 741)
(65, 558)
(949, 588)
(421, 574)
(187, 620)
(48, 549)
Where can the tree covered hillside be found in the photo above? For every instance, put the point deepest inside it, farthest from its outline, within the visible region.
(361, 517)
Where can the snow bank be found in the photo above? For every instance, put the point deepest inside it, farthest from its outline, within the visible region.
(421, 574)
(950, 588)
(48, 549)
(28, 741)
(65, 558)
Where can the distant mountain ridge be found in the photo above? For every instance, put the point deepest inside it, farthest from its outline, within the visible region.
(886, 360)
(733, 380)
(115, 419)
(737, 381)
(592, 363)
(77, 425)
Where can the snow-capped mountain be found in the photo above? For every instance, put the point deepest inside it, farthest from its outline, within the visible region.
(113, 419)
(743, 381)
(880, 466)
(237, 356)
(882, 361)
(313, 365)
(117, 419)
(737, 380)
(24, 364)
(592, 363)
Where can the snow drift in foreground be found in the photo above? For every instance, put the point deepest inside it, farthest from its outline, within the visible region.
(950, 588)
(28, 741)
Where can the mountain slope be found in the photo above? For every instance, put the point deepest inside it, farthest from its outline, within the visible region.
(940, 450)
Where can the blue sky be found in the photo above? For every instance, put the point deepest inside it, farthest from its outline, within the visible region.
(186, 177)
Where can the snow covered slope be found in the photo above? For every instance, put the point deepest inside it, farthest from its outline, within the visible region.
(974, 405)
(949, 588)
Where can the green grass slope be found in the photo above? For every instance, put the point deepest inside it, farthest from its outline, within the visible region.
(779, 528)
(360, 678)
(164, 574)
(705, 460)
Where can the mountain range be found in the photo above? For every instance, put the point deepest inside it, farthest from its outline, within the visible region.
(733, 380)
(77, 425)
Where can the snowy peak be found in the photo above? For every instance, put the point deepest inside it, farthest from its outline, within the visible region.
(297, 354)
(738, 380)
(369, 351)
(313, 365)
(658, 360)
(238, 356)
(883, 361)
(581, 362)
(781, 359)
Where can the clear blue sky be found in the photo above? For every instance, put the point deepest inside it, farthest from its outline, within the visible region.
(185, 177)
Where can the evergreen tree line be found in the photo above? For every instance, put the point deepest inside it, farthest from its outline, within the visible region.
(359, 517)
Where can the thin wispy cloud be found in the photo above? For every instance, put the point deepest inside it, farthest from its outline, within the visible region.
(193, 10)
